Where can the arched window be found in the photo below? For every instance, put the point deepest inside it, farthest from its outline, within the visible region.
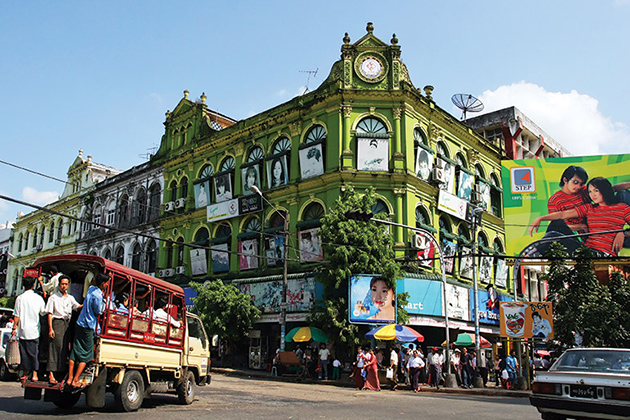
(496, 202)
(445, 224)
(372, 145)
(482, 240)
(42, 236)
(111, 213)
(460, 160)
(21, 238)
(184, 188)
(497, 246)
(313, 211)
(136, 256)
(123, 211)
(463, 232)
(96, 218)
(256, 154)
(108, 254)
(173, 189)
(180, 251)
(151, 256)
(220, 254)
(51, 232)
(227, 164)
(312, 153)
(34, 245)
(154, 202)
(169, 255)
(479, 171)
(206, 172)
(28, 235)
(248, 244)
(424, 155)
(380, 207)
(278, 163)
(60, 230)
(120, 255)
(422, 217)
(139, 208)
(442, 150)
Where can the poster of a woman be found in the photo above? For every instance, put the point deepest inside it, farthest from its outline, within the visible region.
(372, 300)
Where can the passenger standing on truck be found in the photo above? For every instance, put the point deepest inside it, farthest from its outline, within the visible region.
(52, 285)
(59, 308)
(83, 346)
(159, 314)
(29, 306)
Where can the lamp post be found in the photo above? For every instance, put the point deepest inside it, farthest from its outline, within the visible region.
(285, 270)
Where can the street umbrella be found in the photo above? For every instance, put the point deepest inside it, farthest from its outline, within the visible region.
(394, 332)
(468, 340)
(303, 334)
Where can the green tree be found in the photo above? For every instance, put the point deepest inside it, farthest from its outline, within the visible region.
(224, 310)
(353, 247)
(597, 313)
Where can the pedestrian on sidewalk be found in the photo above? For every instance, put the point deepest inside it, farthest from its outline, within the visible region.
(358, 369)
(512, 369)
(414, 366)
(435, 367)
(456, 365)
(371, 369)
(29, 307)
(393, 365)
(323, 361)
(336, 373)
(467, 368)
(483, 363)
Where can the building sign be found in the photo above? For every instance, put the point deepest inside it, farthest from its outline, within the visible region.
(267, 296)
(489, 301)
(425, 296)
(310, 245)
(311, 161)
(223, 210)
(250, 204)
(457, 302)
(526, 320)
(198, 261)
(371, 300)
(373, 154)
(452, 204)
(532, 188)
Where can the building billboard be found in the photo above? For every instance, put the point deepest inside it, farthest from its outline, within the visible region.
(532, 188)
(526, 320)
(371, 300)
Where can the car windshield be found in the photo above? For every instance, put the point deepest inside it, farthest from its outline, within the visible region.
(592, 360)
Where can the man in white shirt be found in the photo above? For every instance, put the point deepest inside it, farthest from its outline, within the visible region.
(323, 361)
(159, 314)
(59, 308)
(52, 285)
(29, 306)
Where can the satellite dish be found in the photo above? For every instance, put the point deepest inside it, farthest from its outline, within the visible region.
(467, 103)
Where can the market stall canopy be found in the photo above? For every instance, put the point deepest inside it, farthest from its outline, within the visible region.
(395, 332)
(303, 334)
(468, 340)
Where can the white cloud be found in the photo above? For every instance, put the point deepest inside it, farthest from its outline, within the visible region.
(572, 119)
(41, 198)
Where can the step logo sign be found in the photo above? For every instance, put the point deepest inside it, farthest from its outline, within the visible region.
(523, 180)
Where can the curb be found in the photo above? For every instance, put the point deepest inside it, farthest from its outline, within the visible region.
(253, 374)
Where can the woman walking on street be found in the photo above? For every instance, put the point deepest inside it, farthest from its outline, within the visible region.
(371, 378)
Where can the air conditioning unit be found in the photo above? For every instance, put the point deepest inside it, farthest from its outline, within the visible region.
(477, 197)
(479, 188)
(180, 270)
(180, 203)
(167, 272)
(439, 163)
(40, 247)
(438, 175)
(170, 206)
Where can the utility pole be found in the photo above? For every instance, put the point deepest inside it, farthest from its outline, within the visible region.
(476, 212)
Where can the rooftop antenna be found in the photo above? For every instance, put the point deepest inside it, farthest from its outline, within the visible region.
(150, 152)
(308, 79)
(467, 103)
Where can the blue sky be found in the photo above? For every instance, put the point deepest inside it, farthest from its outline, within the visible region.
(100, 75)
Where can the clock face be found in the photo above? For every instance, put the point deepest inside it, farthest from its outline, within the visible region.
(371, 68)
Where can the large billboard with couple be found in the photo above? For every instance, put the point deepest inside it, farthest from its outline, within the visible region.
(554, 198)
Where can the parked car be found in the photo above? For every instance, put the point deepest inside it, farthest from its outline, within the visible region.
(585, 383)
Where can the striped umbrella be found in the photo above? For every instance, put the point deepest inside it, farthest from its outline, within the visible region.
(395, 332)
(303, 334)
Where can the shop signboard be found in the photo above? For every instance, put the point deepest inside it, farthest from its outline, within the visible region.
(425, 296)
(535, 187)
(489, 301)
(526, 320)
(223, 210)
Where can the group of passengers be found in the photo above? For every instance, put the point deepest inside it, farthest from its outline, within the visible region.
(49, 313)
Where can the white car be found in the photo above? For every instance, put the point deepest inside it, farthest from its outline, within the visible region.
(585, 383)
(6, 371)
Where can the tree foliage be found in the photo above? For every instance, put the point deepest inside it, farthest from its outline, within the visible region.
(599, 314)
(224, 310)
(352, 247)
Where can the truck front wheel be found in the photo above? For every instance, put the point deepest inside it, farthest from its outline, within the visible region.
(186, 388)
(130, 393)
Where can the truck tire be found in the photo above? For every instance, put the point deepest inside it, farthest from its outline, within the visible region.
(130, 393)
(67, 399)
(186, 388)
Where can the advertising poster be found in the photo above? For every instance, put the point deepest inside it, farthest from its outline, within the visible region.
(202, 194)
(267, 296)
(220, 258)
(531, 188)
(310, 245)
(426, 251)
(198, 261)
(425, 296)
(501, 273)
(484, 193)
(248, 254)
(274, 250)
(222, 211)
(465, 262)
(311, 161)
(449, 175)
(527, 320)
(277, 172)
(371, 300)
(222, 188)
(450, 249)
(453, 205)
(457, 302)
(489, 306)
(424, 164)
(250, 177)
(464, 186)
(373, 154)
(485, 269)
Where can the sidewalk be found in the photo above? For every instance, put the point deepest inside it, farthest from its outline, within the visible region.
(345, 381)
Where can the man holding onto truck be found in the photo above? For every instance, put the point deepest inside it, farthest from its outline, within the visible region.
(29, 306)
(83, 347)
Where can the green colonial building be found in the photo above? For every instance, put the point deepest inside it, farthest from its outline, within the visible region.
(229, 187)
